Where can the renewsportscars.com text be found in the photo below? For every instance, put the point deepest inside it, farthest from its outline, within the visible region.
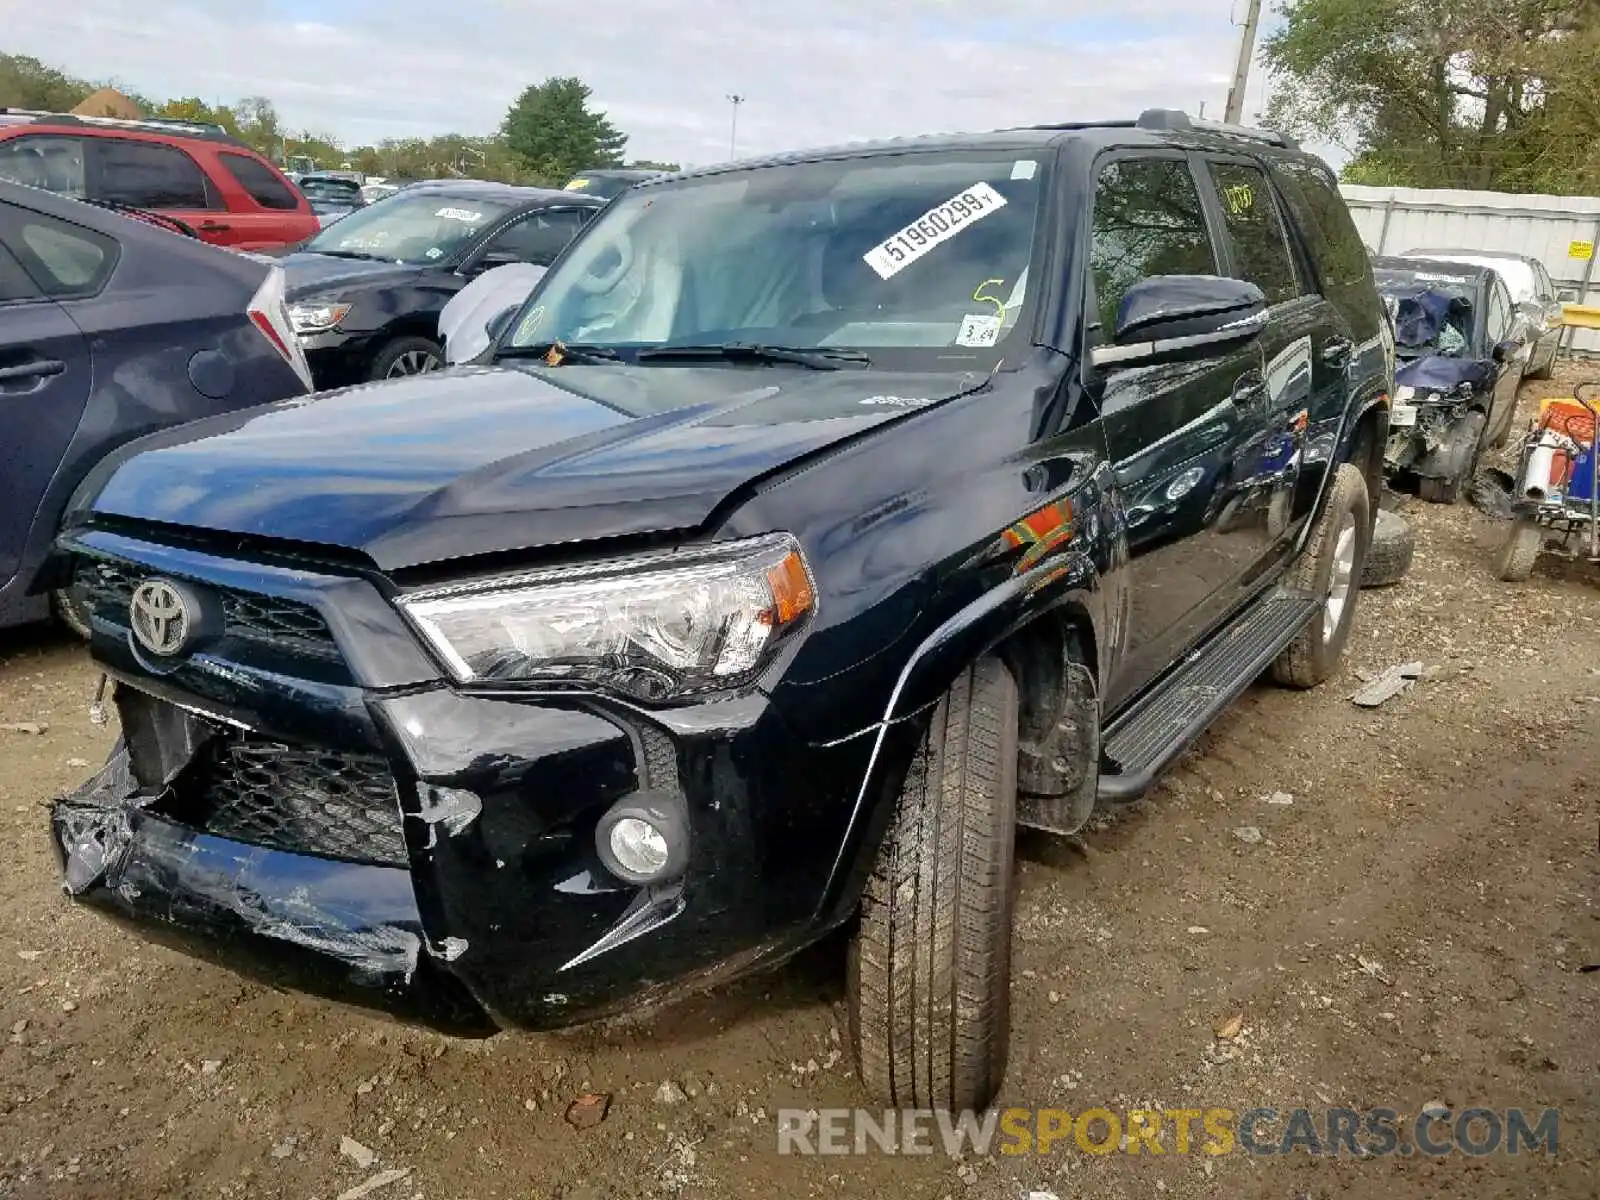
(1262, 1132)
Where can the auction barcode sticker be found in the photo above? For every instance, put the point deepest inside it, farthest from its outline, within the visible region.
(939, 224)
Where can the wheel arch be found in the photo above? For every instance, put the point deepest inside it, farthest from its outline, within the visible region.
(1369, 436)
(1043, 610)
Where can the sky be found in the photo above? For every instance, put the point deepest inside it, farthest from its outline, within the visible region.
(812, 72)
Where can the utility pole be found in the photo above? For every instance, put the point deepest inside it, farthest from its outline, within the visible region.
(1241, 72)
(733, 131)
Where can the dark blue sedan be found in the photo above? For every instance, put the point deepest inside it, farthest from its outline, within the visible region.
(111, 328)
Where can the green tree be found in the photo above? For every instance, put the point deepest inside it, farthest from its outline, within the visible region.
(258, 125)
(192, 108)
(27, 83)
(1445, 93)
(552, 133)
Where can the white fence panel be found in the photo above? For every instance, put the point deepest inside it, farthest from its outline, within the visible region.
(1560, 231)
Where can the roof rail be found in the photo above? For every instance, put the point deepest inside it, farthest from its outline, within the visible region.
(194, 129)
(1172, 120)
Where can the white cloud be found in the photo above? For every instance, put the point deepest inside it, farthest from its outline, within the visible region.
(813, 71)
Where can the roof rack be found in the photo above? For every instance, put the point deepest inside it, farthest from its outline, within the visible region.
(1172, 120)
(194, 129)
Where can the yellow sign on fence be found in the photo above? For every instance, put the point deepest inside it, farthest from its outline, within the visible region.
(1582, 251)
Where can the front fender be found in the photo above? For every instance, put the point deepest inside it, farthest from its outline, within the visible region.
(1066, 586)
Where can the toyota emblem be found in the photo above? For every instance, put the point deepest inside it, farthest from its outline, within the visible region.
(160, 617)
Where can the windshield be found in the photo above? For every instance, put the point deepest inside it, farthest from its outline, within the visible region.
(409, 227)
(1432, 313)
(924, 256)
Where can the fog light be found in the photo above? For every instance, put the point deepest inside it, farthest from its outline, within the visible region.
(639, 846)
(644, 838)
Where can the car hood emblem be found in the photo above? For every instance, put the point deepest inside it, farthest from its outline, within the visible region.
(161, 618)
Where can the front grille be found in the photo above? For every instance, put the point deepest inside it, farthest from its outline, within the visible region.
(301, 799)
(107, 588)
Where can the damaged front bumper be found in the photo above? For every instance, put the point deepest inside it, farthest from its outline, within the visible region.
(344, 930)
(303, 798)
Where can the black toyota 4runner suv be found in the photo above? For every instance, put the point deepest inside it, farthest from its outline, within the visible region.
(815, 523)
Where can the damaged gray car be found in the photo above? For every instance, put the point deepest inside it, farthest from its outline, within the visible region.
(1458, 350)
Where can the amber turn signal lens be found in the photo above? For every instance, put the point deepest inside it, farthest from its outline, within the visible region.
(792, 597)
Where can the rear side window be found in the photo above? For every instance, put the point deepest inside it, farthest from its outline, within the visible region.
(263, 184)
(1340, 256)
(1147, 221)
(52, 163)
(537, 239)
(1261, 253)
(147, 175)
(63, 260)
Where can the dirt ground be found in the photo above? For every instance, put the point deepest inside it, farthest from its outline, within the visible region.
(1411, 928)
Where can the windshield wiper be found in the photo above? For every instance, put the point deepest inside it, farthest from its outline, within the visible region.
(565, 352)
(818, 359)
(350, 254)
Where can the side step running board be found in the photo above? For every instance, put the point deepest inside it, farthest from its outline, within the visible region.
(1144, 741)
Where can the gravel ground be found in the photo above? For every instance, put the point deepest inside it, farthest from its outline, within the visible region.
(1385, 907)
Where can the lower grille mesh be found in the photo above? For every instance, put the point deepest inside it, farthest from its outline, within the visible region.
(300, 799)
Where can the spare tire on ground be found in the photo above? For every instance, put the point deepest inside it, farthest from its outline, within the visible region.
(1389, 556)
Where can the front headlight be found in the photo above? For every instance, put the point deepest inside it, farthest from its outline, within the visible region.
(316, 318)
(656, 627)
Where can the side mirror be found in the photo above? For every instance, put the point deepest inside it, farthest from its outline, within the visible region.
(1173, 318)
(1505, 351)
(498, 323)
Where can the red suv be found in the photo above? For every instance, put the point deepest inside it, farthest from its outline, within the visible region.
(200, 174)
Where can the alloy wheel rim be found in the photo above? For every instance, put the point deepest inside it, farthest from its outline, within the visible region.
(413, 362)
(1344, 563)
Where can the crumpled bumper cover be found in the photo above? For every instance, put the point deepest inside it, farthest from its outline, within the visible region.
(347, 931)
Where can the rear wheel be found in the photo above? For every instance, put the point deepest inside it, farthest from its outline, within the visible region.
(406, 356)
(930, 967)
(1329, 568)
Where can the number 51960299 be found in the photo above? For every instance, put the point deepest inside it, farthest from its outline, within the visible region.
(933, 227)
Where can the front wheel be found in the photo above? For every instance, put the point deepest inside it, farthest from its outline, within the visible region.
(406, 356)
(1518, 553)
(930, 966)
(1329, 568)
(1456, 463)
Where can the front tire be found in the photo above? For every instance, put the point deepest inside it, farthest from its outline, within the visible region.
(930, 966)
(1329, 568)
(406, 356)
(1519, 552)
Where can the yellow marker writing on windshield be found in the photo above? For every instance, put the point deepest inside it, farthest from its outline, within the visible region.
(999, 304)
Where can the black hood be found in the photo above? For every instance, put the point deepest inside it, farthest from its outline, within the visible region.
(479, 460)
(307, 273)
